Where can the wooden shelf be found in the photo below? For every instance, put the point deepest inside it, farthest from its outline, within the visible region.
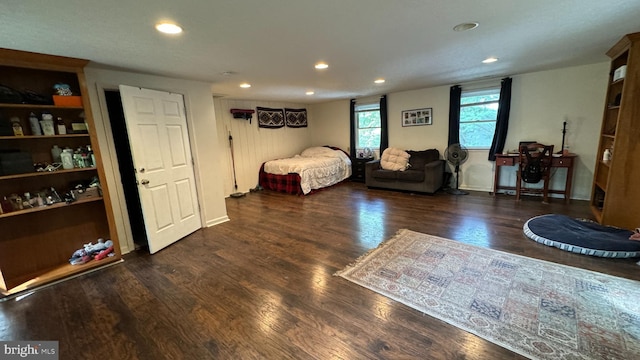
(597, 213)
(619, 81)
(40, 137)
(601, 186)
(43, 107)
(45, 173)
(32, 281)
(49, 207)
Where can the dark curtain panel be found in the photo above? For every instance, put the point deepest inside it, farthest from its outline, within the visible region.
(384, 124)
(502, 122)
(352, 117)
(454, 114)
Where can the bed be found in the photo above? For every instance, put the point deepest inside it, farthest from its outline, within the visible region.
(314, 168)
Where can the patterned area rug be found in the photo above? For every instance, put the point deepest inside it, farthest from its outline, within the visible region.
(535, 308)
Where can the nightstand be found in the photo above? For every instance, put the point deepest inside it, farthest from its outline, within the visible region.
(357, 168)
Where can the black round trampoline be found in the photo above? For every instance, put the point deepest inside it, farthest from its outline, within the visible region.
(581, 236)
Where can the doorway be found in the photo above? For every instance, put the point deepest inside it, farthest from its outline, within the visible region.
(158, 133)
(126, 168)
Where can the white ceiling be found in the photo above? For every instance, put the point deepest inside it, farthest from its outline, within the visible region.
(273, 44)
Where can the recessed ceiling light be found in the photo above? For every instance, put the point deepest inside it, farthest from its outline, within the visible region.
(489, 60)
(245, 85)
(310, 93)
(379, 81)
(321, 66)
(168, 28)
(465, 26)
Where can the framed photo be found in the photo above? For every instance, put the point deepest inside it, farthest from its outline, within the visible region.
(417, 117)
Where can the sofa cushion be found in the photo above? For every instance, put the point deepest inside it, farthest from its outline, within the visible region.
(394, 159)
(385, 174)
(411, 175)
(419, 159)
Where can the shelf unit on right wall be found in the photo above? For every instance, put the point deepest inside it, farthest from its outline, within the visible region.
(615, 196)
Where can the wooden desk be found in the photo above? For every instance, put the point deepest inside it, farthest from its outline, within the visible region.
(564, 161)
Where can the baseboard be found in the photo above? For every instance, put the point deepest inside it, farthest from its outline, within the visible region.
(217, 221)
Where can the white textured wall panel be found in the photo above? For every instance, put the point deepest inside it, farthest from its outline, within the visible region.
(253, 145)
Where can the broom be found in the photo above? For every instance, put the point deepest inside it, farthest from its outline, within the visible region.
(233, 165)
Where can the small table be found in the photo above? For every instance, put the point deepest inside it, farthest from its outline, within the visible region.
(357, 168)
(558, 161)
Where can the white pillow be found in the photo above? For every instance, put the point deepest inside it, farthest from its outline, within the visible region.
(316, 151)
(394, 159)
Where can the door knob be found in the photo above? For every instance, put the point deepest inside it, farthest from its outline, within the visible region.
(144, 182)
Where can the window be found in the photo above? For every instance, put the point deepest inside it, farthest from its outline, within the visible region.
(367, 126)
(478, 114)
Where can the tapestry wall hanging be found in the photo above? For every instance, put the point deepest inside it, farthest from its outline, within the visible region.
(270, 118)
(295, 118)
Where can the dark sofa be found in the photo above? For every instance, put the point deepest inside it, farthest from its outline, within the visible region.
(425, 174)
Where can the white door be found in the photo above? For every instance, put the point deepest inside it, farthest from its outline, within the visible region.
(157, 128)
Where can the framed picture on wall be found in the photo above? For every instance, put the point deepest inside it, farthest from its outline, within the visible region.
(417, 117)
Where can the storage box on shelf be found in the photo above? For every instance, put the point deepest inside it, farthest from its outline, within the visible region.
(615, 196)
(37, 240)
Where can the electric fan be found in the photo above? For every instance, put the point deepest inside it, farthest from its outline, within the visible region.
(456, 154)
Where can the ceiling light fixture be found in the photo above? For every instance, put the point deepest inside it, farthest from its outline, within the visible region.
(321, 66)
(379, 81)
(465, 26)
(489, 60)
(309, 93)
(168, 28)
(245, 85)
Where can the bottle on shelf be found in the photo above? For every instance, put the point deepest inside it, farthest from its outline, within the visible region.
(39, 200)
(61, 127)
(55, 154)
(92, 156)
(78, 158)
(6, 205)
(66, 157)
(35, 125)
(47, 124)
(17, 127)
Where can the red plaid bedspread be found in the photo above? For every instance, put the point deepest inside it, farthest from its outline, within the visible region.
(289, 183)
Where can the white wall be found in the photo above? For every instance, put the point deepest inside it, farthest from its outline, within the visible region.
(540, 102)
(330, 124)
(203, 135)
(253, 145)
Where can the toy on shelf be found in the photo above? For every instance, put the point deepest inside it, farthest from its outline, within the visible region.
(97, 251)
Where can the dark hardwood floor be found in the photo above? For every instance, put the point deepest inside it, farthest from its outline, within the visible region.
(261, 286)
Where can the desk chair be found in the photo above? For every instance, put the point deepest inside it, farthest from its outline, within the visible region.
(534, 166)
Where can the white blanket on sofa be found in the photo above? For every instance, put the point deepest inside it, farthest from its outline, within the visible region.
(318, 167)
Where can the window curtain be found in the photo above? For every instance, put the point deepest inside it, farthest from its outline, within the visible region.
(352, 117)
(455, 93)
(502, 121)
(384, 124)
